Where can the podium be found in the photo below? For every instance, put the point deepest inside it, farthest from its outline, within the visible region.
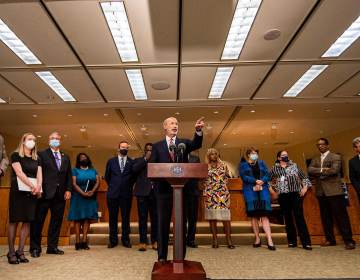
(177, 174)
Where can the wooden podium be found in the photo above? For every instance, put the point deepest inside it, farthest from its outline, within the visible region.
(177, 174)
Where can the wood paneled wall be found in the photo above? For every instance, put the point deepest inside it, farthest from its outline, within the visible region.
(311, 209)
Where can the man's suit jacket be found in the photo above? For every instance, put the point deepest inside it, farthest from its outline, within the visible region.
(4, 161)
(354, 173)
(55, 181)
(119, 184)
(328, 182)
(143, 185)
(160, 154)
(192, 186)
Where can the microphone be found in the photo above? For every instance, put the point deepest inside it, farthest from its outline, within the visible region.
(172, 148)
(181, 148)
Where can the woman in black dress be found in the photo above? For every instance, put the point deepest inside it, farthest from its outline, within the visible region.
(26, 180)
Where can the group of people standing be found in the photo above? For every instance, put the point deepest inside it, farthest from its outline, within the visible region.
(49, 181)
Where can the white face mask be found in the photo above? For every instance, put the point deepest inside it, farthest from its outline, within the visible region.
(30, 144)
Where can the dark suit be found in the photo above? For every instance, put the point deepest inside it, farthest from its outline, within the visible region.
(331, 196)
(55, 183)
(191, 193)
(354, 173)
(144, 193)
(119, 195)
(163, 192)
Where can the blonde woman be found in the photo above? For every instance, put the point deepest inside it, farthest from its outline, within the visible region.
(217, 197)
(26, 180)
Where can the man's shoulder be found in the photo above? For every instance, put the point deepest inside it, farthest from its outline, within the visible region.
(335, 156)
(354, 159)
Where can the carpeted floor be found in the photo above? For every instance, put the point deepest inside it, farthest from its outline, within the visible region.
(244, 262)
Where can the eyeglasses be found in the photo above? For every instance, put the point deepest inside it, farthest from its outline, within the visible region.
(321, 144)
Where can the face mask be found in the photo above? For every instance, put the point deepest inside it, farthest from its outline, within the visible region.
(123, 152)
(254, 157)
(54, 143)
(84, 162)
(30, 144)
(284, 158)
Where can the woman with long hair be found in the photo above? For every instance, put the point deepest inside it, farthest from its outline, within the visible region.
(26, 181)
(217, 197)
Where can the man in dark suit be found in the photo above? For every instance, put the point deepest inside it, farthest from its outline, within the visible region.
(326, 170)
(144, 193)
(354, 167)
(161, 153)
(192, 194)
(120, 180)
(56, 186)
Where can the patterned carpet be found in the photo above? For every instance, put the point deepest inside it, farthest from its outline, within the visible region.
(244, 262)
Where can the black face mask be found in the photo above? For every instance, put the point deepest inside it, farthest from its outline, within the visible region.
(123, 152)
(284, 158)
(84, 162)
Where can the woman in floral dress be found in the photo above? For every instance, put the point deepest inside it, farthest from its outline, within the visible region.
(217, 197)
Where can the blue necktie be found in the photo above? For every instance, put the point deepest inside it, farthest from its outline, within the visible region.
(57, 160)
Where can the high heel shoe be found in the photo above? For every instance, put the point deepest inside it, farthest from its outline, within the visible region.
(215, 244)
(78, 246)
(84, 246)
(271, 247)
(21, 257)
(257, 245)
(231, 246)
(12, 259)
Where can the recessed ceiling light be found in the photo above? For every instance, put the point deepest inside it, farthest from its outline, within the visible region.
(69, 115)
(146, 134)
(225, 144)
(349, 36)
(83, 128)
(16, 45)
(216, 112)
(136, 83)
(305, 80)
(272, 34)
(242, 21)
(118, 23)
(65, 135)
(139, 114)
(292, 132)
(35, 116)
(38, 136)
(252, 111)
(274, 125)
(177, 113)
(290, 110)
(327, 110)
(121, 135)
(160, 85)
(106, 115)
(49, 79)
(220, 81)
(143, 128)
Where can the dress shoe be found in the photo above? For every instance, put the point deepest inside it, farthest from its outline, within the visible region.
(54, 251)
(35, 253)
(112, 245)
(12, 259)
(126, 244)
(162, 261)
(328, 243)
(191, 244)
(231, 246)
(21, 257)
(84, 245)
(350, 246)
(307, 247)
(292, 245)
(78, 246)
(142, 247)
(154, 246)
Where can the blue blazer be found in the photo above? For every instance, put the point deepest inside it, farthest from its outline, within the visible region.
(249, 181)
(119, 184)
(160, 154)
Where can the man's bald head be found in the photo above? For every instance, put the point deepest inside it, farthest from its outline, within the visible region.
(170, 126)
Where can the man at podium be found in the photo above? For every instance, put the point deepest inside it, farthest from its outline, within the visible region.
(171, 149)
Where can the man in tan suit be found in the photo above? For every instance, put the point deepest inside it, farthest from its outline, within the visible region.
(4, 161)
(326, 170)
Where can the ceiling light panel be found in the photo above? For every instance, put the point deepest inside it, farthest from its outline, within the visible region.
(220, 81)
(345, 40)
(2, 100)
(305, 80)
(118, 23)
(49, 79)
(243, 19)
(136, 83)
(16, 45)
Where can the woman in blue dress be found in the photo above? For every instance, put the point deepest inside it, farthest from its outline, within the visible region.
(255, 177)
(83, 205)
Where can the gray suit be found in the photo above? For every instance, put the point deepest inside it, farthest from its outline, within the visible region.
(331, 197)
(4, 161)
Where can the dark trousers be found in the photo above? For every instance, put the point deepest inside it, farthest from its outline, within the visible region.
(114, 204)
(57, 207)
(335, 207)
(164, 203)
(292, 207)
(191, 216)
(147, 206)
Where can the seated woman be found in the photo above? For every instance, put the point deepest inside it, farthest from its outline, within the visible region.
(217, 197)
(83, 204)
(291, 185)
(255, 177)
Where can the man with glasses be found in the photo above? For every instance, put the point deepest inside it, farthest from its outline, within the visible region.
(326, 169)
